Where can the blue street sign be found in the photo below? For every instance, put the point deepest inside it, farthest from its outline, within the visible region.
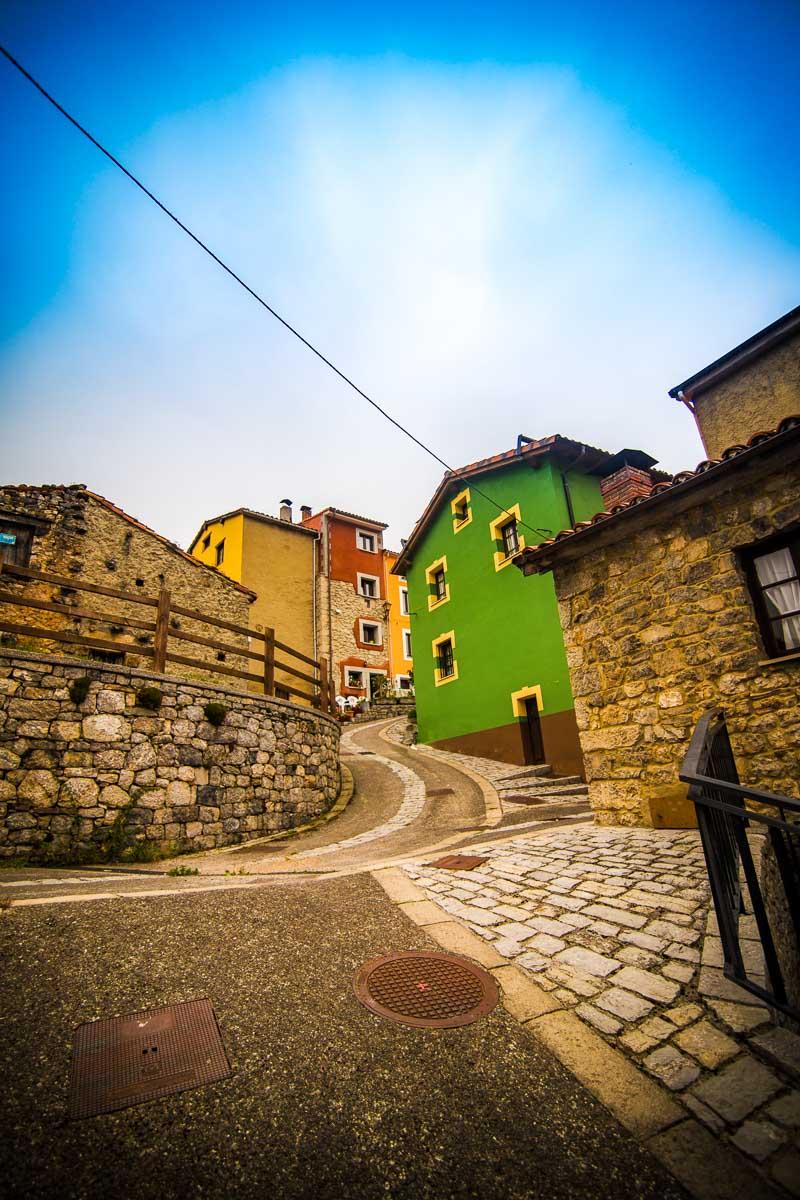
(7, 539)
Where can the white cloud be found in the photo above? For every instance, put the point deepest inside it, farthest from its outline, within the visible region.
(487, 251)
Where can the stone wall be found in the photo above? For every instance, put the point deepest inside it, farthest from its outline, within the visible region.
(755, 397)
(659, 627)
(88, 538)
(73, 775)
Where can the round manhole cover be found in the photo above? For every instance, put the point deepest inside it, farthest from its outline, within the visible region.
(426, 988)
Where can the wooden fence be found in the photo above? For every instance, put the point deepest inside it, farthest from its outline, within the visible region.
(166, 631)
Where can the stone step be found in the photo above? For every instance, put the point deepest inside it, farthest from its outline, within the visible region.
(542, 769)
(536, 786)
(574, 791)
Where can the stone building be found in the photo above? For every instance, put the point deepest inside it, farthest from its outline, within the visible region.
(683, 599)
(352, 605)
(276, 557)
(750, 388)
(72, 532)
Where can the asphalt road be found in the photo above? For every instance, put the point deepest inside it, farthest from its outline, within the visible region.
(326, 1100)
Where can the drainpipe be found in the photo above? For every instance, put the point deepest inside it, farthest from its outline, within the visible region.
(330, 605)
(314, 595)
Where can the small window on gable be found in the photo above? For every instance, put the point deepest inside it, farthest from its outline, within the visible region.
(219, 553)
(207, 541)
(366, 541)
(460, 508)
(774, 576)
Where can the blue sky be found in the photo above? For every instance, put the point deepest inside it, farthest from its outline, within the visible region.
(498, 219)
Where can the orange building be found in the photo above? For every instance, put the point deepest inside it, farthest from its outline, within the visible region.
(352, 609)
(399, 622)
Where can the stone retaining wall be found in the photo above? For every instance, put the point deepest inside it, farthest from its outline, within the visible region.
(73, 777)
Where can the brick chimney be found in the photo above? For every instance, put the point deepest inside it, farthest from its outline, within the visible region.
(305, 512)
(286, 511)
(629, 477)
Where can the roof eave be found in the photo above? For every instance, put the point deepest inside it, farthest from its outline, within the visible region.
(752, 348)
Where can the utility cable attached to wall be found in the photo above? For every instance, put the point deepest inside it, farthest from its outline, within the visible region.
(260, 300)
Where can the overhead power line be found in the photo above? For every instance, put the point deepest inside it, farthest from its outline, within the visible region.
(259, 299)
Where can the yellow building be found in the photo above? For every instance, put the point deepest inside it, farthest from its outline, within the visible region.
(399, 621)
(276, 559)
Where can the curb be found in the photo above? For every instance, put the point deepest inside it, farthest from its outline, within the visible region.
(707, 1169)
(489, 793)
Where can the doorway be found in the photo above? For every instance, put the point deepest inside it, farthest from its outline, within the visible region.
(376, 679)
(532, 743)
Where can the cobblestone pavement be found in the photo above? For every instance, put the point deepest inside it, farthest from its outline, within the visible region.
(615, 923)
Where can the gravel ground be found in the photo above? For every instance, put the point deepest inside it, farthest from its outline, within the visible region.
(325, 1100)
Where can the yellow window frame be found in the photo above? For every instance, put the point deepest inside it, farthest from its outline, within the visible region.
(461, 499)
(518, 699)
(438, 680)
(496, 533)
(439, 565)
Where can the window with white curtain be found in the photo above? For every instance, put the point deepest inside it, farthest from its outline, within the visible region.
(774, 571)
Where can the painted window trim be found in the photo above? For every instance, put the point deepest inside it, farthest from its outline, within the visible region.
(409, 657)
(362, 621)
(450, 636)
(439, 564)
(357, 687)
(397, 680)
(367, 533)
(404, 612)
(375, 579)
(495, 532)
(462, 498)
(518, 699)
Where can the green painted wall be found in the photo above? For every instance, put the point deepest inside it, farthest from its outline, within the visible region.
(507, 628)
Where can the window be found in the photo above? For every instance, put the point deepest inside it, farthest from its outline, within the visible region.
(510, 540)
(370, 633)
(404, 601)
(206, 541)
(445, 668)
(281, 693)
(368, 585)
(462, 513)
(504, 532)
(438, 587)
(774, 576)
(366, 541)
(219, 552)
(354, 677)
(407, 643)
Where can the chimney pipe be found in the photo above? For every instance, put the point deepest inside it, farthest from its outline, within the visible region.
(286, 511)
(305, 512)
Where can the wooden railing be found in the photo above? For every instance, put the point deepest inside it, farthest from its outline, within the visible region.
(165, 632)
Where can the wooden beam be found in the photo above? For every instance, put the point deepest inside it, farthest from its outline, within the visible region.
(70, 610)
(62, 635)
(74, 585)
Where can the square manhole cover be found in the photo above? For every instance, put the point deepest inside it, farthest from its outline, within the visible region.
(145, 1055)
(459, 862)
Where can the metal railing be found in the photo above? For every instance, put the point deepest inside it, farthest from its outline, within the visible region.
(725, 811)
(155, 639)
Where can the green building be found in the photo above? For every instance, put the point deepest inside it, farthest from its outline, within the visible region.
(490, 670)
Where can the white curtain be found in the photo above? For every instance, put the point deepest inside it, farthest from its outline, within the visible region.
(776, 573)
